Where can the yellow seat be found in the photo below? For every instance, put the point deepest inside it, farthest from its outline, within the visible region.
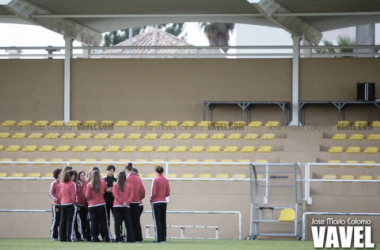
(376, 124)
(146, 149)
(336, 150)
(239, 176)
(184, 136)
(243, 162)
(353, 150)
(205, 124)
(339, 137)
(152, 175)
(214, 149)
(57, 123)
(222, 176)
(173, 175)
(187, 176)
(151, 136)
(247, 149)
(35, 136)
(41, 123)
(155, 124)
(79, 148)
(101, 136)
(163, 149)
(122, 124)
(73, 124)
(48, 175)
(104, 175)
(204, 176)
(118, 136)
(56, 160)
(251, 136)
(333, 161)
(188, 124)
(351, 166)
(167, 136)
(157, 160)
(129, 149)
(89, 160)
(20, 160)
(138, 124)
(13, 148)
(38, 160)
(64, 148)
(238, 124)
(18, 135)
(347, 177)
(68, 136)
(255, 124)
(3, 160)
(113, 149)
(52, 136)
(191, 164)
(357, 137)
(371, 150)
(180, 149)
(29, 148)
(268, 136)
(85, 136)
(137, 162)
(122, 164)
(171, 124)
(90, 123)
(8, 123)
(106, 123)
(231, 149)
(234, 137)
(373, 137)
(197, 149)
(1, 147)
(17, 175)
(25, 123)
(222, 124)
(360, 124)
(96, 149)
(365, 177)
(272, 124)
(73, 162)
(106, 164)
(4, 135)
(265, 149)
(46, 148)
(378, 177)
(369, 162)
(208, 162)
(134, 136)
(217, 136)
(201, 136)
(226, 160)
(287, 215)
(261, 161)
(343, 124)
(35, 175)
(3, 174)
(174, 164)
(329, 177)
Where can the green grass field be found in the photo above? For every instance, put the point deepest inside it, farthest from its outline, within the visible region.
(47, 244)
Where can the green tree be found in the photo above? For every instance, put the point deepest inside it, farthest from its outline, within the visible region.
(342, 41)
(218, 34)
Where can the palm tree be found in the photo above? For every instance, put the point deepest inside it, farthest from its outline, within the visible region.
(218, 34)
(342, 41)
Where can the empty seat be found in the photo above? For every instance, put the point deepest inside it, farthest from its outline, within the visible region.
(265, 149)
(96, 149)
(8, 123)
(29, 148)
(271, 124)
(174, 164)
(347, 177)
(146, 149)
(217, 136)
(376, 124)
(64, 148)
(129, 149)
(3, 160)
(208, 162)
(17, 175)
(138, 124)
(73, 123)
(205, 124)
(171, 175)
(226, 160)
(239, 176)
(38, 160)
(353, 150)
(41, 123)
(243, 162)
(184, 136)
(343, 124)
(333, 161)
(85, 136)
(68, 136)
(104, 175)
(48, 175)
(197, 149)
(371, 150)
(268, 136)
(231, 149)
(21, 160)
(329, 177)
(369, 162)
(357, 137)
(155, 124)
(46, 148)
(134, 136)
(89, 160)
(351, 166)
(167, 136)
(152, 175)
(113, 149)
(106, 123)
(222, 176)
(251, 136)
(171, 124)
(105, 162)
(204, 176)
(4, 135)
(52, 136)
(255, 124)
(201, 136)
(122, 123)
(3, 174)
(188, 124)
(35, 175)
(180, 149)
(56, 160)
(163, 149)
(187, 176)
(336, 150)
(73, 161)
(79, 148)
(151, 136)
(138, 162)
(374, 137)
(214, 149)
(339, 137)
(247, 149)
(126, 161)
(90, 123)
(191, 162)
(238, 124)
(57, 123)
(18, 135)
(13, 148)
(101, 136)
(158, 162)
(25, 123)
(360, 124)
(118, 136)
(287, 215)
(222, 124)
(365, 177)
(234, 137)
(35, 136)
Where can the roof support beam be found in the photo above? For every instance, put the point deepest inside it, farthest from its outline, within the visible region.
(295, 25)
(67, 28)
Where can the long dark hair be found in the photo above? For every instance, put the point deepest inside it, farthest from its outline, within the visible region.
(78, 177)
(66, 177)
(95, 180)
(121, 180)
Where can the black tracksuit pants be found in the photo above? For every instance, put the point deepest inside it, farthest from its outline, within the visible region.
(123, 214)
(56, 210)
(66, 226)
(81, 222)
(99, 220)
(159, 217)
(135, 215)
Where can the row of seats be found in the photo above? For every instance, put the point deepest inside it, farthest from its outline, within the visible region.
(357, 124)
(356, 137)
(137, 136)
(349, 177)
(354, 150)
(145, 149)
(44, 123)
(351, 162)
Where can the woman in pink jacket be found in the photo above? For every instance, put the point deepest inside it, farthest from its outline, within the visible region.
(69, 200)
